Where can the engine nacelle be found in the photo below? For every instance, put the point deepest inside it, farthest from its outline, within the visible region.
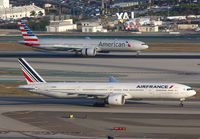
(88, 52)
(116, 99)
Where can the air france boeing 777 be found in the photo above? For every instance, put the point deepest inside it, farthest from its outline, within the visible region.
(113, 92)
(85, 47)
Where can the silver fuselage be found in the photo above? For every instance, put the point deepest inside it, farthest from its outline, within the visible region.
(125, 45)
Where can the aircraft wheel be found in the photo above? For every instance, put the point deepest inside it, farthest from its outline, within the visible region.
(181, 104)
(138, 53)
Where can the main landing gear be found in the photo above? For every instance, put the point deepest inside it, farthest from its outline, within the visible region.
(138, 53)
(181, 102)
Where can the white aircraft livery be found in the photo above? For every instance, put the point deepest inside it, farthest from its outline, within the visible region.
(85, 47)
(113, 92)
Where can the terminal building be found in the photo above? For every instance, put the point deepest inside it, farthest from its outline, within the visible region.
(61, 26)
(92, 27)
(4, 4)
(187, 26)
(7, 12)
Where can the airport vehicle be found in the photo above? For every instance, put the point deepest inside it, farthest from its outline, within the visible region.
(112, 92)
(85, 47)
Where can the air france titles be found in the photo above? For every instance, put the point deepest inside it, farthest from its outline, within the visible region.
(152, 86)
(113, 44)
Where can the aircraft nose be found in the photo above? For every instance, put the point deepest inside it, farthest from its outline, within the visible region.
(193, 93)
(145, 46)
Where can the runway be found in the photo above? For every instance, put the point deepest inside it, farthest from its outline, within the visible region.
(48, 118)
(144, 55)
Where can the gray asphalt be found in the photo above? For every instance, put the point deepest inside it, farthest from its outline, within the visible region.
(95, 69)
(144, 55)
(37, 117)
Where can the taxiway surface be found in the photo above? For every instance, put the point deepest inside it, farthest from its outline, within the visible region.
(48, 118)
(95, 69)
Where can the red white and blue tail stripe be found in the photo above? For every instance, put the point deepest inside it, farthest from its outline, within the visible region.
(30, 74)
(30, 39)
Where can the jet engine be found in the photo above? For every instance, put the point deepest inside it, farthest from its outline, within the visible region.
(88, 52)
(116, 99)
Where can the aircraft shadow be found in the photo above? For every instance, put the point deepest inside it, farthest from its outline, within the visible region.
(73, 102)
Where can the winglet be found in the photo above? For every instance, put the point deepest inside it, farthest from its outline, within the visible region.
(112, 79)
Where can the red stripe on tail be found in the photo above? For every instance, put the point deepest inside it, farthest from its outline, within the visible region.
(30, 39)
(32, 44)
(23, 30)
(25, 35)
(29, 79)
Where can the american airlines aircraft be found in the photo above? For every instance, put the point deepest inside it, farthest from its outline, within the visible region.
(113, 92)
(85, 47)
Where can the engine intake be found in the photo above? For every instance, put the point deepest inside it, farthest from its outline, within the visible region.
(88, 52)
(116, 99)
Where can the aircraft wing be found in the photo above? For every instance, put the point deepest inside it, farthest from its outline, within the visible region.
(88, 94)
(80, 93)
(91, 94)
(84, 50)
(70, 49)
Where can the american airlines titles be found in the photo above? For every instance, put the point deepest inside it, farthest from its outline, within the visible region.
(153, 86)
(113, 44)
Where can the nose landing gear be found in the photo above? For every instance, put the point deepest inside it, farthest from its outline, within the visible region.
(181, 102)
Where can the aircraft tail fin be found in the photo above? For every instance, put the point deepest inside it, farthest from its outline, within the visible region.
(30, 39)
(30, 74)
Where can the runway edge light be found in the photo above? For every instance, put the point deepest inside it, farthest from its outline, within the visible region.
(71, 116)
(119, 128)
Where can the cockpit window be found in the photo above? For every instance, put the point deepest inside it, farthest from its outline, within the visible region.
(143, 44)
(189, 89)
